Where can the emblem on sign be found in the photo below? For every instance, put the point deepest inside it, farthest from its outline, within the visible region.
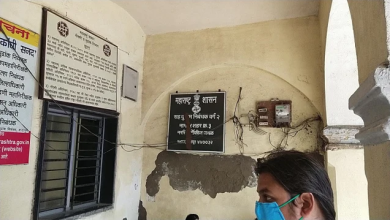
(196, 109)
(63, 29)
(107, 50)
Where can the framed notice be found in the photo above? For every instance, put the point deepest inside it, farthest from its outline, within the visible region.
(197, 122)
(18, 57)
(77, 66)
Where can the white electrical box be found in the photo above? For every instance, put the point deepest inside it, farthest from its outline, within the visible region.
(130, 83)
(282, 113)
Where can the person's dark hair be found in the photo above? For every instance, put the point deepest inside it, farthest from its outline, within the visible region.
(298, 173)
(192, 217)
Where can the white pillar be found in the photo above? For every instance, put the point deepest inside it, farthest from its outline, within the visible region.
(371, 102)
(345, 155)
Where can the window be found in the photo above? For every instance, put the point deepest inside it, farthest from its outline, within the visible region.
(76, 162)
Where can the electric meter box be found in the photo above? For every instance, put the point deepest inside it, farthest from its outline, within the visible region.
(282, 113)
(275, 113)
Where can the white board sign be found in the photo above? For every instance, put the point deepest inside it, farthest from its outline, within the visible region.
(18, 56)
(79, 67)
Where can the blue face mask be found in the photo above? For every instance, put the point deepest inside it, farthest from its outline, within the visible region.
(271, 211)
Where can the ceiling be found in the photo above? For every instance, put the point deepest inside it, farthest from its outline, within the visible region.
(163, 16)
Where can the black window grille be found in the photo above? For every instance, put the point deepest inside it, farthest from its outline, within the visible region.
(76, 162)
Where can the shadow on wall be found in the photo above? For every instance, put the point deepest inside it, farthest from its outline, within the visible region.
(211, 174)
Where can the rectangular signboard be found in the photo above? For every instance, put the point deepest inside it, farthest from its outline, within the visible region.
(78, 66)
(18, 56)
(197, 122)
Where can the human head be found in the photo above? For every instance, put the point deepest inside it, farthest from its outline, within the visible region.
(285, 174)
(192, 217)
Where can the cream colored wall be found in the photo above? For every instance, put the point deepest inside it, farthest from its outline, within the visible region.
(349, 183)
(368, 18)
(111, 21)
(377, 159)
(323, 17)
(271, 59)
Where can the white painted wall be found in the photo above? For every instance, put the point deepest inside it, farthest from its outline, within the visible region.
(341, 69)
(345, 166)
(159, 17)
(111, 21)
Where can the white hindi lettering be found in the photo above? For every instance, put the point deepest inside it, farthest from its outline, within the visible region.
(181, 141)
(198, 132)
(207, 142)
(209, 99)
(182, 132)
(196, 126)
(193, 142)
(183, 100)
(179, 117)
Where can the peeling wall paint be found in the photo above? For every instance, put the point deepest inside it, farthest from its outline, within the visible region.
(142, 214)
(278, 59)
(211, 174)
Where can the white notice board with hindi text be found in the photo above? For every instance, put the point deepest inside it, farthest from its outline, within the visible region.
(79, 67)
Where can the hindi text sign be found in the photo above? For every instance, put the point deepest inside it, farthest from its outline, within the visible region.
(197, 122)
(18, 56)
(79, 67)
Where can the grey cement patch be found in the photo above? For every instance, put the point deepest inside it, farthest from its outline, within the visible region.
(212, 174)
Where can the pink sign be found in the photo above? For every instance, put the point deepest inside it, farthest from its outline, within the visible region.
(14, 148)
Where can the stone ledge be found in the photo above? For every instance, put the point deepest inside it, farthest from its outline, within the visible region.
(341, 134)
(334, 147)
(371, 102)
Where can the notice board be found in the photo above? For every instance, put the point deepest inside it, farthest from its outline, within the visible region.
(197, 122)
(18, 57)
(77, 66)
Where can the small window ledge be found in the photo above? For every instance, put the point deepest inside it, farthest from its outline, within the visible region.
(76, 214)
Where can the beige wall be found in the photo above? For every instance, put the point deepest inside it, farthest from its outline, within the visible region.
(349, 183)
(368, 18)
(109, 20)
(377, 159)
(271, 59)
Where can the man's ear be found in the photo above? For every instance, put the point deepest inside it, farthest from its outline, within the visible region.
(306, 202)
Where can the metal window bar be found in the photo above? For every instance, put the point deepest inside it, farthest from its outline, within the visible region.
(54, 179)
(50, 148)
(75, 162)
(49, 200)
(94, 169)
(99, 177)
(73, 151)
(68, 172)
(59, 122)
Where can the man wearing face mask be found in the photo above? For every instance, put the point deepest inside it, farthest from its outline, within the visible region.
(293, 186)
